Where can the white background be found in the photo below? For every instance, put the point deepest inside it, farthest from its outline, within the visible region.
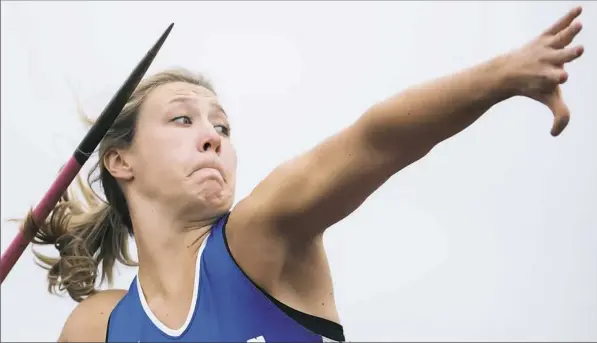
(493, 236)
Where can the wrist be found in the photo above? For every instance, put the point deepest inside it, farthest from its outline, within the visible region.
(502, 76)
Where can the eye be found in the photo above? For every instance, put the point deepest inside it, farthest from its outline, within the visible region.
(185, 120)
(223, 130)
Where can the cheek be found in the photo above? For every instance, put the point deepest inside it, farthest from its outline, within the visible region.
(160, 154)
(229, 158)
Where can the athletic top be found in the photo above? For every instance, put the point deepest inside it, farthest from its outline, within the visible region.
(226, 307)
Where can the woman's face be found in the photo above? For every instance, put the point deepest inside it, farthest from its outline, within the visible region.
(182, 155)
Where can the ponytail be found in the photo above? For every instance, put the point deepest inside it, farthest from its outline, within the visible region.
(87, 234)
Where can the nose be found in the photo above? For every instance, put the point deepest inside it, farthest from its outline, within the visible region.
(210, 140)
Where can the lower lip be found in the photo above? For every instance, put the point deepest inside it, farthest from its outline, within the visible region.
(207, 172)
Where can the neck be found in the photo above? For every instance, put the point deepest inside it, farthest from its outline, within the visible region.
(165, 240)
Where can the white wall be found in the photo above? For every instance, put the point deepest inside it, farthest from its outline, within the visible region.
(493, 236)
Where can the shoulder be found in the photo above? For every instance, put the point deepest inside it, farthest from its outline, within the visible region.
(88, 321)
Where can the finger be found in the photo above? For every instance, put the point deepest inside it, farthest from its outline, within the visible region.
(563, 56)
(563, 22)
(560, 122)
(566, 36)
(555, 102)
(555, 77)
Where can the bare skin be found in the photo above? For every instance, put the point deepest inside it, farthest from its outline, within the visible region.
(277, 239)
(89, 320)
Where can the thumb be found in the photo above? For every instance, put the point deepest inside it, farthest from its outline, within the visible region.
(555, 102)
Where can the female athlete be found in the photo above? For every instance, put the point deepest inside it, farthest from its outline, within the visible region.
(257, 272)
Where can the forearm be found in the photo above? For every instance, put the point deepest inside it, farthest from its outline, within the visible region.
(423, 116)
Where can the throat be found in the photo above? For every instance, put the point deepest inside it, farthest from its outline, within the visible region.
(173, 310)
(169, 291)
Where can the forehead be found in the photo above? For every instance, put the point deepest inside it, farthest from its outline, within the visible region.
(171, 94)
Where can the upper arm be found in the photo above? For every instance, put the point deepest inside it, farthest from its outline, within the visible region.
(308, 194)
(275, 233)
(88, 322)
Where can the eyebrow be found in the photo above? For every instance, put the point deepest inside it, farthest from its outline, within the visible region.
(219, 108)
(215, 105)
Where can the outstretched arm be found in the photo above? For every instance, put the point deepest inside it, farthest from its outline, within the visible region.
(303, 197)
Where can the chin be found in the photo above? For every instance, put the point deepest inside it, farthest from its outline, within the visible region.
(216, 201)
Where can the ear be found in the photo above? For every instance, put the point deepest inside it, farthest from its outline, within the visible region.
(116, 163)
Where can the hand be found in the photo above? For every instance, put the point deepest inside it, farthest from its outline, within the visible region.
(537, 68)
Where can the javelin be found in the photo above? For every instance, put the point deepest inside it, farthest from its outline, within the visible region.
(72, 167)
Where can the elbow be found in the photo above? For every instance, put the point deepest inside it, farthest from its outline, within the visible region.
(397, 154)
(407, 154)
(395, 146)
(387, 126)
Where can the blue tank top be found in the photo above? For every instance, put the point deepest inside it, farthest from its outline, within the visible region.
(226, 307)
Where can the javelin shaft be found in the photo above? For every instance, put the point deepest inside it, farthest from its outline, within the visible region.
(89, 143)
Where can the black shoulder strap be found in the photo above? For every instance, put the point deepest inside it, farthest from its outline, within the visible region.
(108, 327)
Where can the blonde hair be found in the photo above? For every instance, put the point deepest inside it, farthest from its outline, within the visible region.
(89, 231)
